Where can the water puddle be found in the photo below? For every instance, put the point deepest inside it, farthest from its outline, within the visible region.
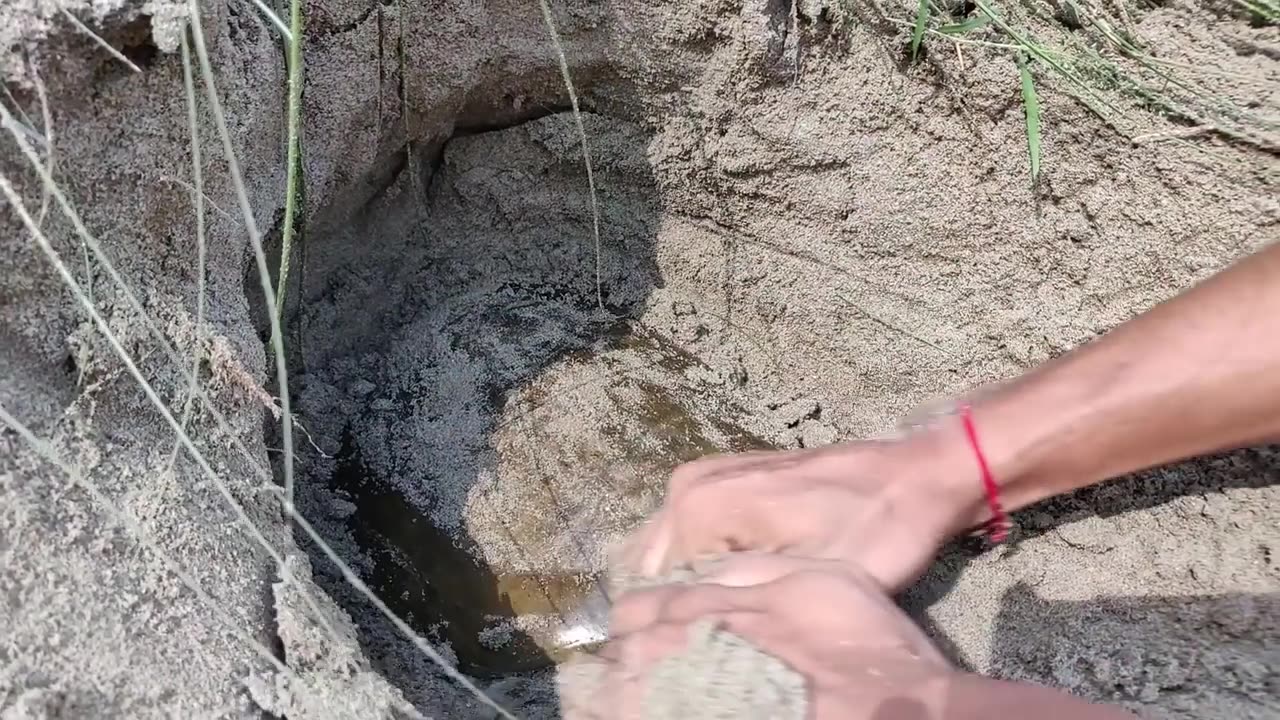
(576, 468)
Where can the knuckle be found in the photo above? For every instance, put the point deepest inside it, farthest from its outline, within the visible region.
(702, 500)
(699, 600)
(814, 581)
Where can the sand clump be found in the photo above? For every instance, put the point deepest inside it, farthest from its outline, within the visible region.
(803, 238)
(718, 675)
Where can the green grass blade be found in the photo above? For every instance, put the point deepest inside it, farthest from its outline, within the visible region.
(1047, 57)
(1032, 104)
(1262, 11)
(965, 27)
(917, 32)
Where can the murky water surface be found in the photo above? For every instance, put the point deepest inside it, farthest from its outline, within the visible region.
(437, 582)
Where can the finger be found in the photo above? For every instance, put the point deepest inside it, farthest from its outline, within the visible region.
(819, 584)
(763, 631)
(715, 518)
(839, 584)
(847, 606)
(650, 553)
(804, 587)
(637, 610)
(743, 569)
(833, 597)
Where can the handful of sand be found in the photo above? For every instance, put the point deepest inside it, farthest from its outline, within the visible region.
(717, 676)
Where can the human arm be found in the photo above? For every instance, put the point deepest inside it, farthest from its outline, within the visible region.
(1196, 374)
(974, 697)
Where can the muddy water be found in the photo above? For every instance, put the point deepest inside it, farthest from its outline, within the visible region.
(432, 580)
(523, 588)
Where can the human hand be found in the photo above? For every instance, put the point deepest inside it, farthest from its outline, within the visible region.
(859, 655)
(885, 506)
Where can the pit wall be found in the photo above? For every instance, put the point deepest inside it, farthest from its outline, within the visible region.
(835, 228)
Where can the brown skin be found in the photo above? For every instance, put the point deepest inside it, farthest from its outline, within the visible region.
(1197, 374)
(863, 659)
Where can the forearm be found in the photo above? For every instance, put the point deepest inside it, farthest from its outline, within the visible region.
(1197, 374)
(973, 697)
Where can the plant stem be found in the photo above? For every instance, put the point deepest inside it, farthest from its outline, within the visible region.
(917, 32)
(293, 180)
(1031, 103)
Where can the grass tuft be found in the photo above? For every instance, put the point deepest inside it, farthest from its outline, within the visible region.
(966, 27)
(1109, 69)
(255, 243)
(277, 347)
(1260, 12)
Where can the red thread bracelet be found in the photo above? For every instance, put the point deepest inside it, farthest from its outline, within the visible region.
(998, 526)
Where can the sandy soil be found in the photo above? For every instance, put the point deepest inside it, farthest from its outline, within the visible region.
(803, 238)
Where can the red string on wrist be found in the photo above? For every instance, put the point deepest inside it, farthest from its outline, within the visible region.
(997, 527)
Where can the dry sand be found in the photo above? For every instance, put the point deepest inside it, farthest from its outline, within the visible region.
(803, 238)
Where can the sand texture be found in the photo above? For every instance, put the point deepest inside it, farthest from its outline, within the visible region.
(803, 237)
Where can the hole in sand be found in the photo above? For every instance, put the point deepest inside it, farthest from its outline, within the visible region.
(495, 430)
(133, 40)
